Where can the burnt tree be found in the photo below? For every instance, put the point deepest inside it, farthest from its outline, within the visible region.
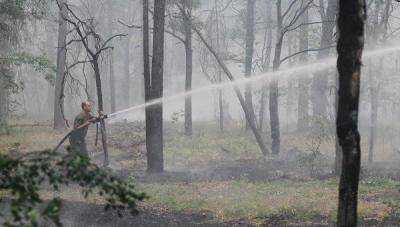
(352, 15)
(86, 32)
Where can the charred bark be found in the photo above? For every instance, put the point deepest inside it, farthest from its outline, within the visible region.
(352, 15)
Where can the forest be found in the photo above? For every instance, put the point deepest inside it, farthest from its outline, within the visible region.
(199, 113)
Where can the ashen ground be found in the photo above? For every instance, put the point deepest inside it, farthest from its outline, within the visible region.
(220, 180)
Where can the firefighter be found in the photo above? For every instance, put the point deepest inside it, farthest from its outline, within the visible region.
(81, 125)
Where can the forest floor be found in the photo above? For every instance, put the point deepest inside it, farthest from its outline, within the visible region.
(222, 179)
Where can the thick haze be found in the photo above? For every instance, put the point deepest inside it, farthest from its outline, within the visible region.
(40, 38)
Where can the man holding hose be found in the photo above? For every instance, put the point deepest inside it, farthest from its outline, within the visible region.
(81, 125)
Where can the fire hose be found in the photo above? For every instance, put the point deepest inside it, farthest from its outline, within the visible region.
(93, 120)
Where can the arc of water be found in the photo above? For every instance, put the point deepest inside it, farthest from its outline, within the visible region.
(265, 77)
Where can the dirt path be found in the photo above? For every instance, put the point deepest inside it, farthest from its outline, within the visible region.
(76, 214)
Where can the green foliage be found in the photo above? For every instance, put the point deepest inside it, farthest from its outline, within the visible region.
(39, 64)
(380, 182)
(24, 176)
(14, 9)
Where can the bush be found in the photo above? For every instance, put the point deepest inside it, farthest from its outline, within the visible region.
(22, 177)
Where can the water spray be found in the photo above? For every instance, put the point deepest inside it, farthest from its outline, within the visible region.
(264, 77)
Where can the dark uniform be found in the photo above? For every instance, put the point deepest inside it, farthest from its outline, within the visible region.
(77, 137)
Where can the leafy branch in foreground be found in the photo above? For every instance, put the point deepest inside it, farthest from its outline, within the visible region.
(23, 177)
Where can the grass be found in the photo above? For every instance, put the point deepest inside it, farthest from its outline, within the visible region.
(284, 200)
(260, 201)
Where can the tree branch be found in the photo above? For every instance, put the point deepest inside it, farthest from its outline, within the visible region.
(303, 51)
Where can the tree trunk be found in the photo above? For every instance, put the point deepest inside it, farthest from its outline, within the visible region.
(352, 15)
(100, 106)
(302, 109)
(220, 103)
(273, 91)
(249, 54)
(189, 69)
(146, 50)
(320, 80)
(127, 81)
(154, 118)
(373, 124)
(50, 54)
(220, 91)
(266, 63)
(248, 114)
(112, 83)
(4, 97)
(59, 122)
(338, 150)
(111, 56)
(379, 28)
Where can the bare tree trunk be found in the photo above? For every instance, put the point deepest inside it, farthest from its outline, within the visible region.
(4, 85)
(50, 54)
(248, 114)
(146, 50)
(249, 54)
(111, 56)
(59, 122)
(220, 91)
(221, 104)
(126, 86)
(379, 28)
(100, 106)
(266, 63)
(352, 15)
(189, 69)
(91, 80)
(302, 109)
(320, 80)
(127, 81)
(112, 83)
(373, 124)
(154, 118)
(338, 150)
(4, 97)
(273, 91)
